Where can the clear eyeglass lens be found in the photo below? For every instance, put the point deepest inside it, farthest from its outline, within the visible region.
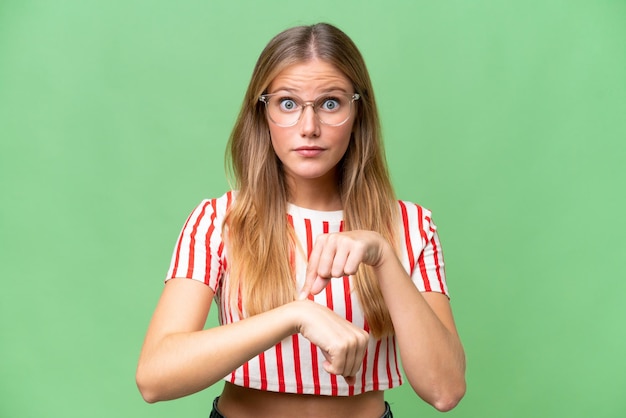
(285, 110)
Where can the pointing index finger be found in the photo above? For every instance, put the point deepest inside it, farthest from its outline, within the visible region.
(306, 290)
(311, 270)
(308, 283)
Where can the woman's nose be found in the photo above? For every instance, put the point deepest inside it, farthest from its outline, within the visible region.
(309, 124)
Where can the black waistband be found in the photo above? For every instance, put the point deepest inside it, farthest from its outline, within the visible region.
(215, 413)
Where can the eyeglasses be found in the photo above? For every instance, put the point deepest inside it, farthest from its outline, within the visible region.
(332, 109)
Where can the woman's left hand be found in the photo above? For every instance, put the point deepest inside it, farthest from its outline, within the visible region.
(340, 254)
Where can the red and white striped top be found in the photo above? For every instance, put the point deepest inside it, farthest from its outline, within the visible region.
(294, 365)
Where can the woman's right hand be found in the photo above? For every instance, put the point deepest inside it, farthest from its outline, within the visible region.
(210, 354)
(342, 343)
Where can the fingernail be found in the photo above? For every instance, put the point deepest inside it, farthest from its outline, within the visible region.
(303, 295)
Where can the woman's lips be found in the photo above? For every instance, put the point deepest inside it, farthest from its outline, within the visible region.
(309, 151)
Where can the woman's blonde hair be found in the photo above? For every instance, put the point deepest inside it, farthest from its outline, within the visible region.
(259, 238)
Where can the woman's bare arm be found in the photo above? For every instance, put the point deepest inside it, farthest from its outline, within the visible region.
(430, 348)
(179, 357)
(431, 351)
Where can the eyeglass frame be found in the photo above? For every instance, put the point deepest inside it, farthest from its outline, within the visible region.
(264, 98)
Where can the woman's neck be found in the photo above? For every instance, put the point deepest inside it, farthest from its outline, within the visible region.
(315, 195)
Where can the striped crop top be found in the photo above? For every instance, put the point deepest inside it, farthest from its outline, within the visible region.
(294, 365)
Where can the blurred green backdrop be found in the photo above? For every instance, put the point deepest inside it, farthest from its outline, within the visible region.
(507, 119)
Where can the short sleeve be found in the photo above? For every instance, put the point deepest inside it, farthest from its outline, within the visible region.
(199, 250)
(421, 250)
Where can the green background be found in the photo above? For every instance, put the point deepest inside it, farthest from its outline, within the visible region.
(507, 119)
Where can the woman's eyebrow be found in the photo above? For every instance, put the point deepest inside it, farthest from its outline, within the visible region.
(285, 90)
(294, 91)
(333, 89)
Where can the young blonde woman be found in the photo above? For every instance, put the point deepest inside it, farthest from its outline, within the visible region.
(324, 282)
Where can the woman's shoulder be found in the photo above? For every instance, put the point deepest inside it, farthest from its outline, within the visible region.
(225, 200)
(414, 216)
(408, 207)
(227, 197)
(216, 206)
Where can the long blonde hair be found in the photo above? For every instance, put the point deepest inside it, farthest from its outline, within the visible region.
(259, 238)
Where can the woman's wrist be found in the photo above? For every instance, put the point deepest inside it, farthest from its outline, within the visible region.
(386, 255)
(294, 313)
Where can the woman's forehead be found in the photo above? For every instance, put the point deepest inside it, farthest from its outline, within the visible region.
(313, 75)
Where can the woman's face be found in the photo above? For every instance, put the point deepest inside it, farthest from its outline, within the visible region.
(310, 150)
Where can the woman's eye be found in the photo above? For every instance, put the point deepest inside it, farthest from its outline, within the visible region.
(330, 104)
(288, 105)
